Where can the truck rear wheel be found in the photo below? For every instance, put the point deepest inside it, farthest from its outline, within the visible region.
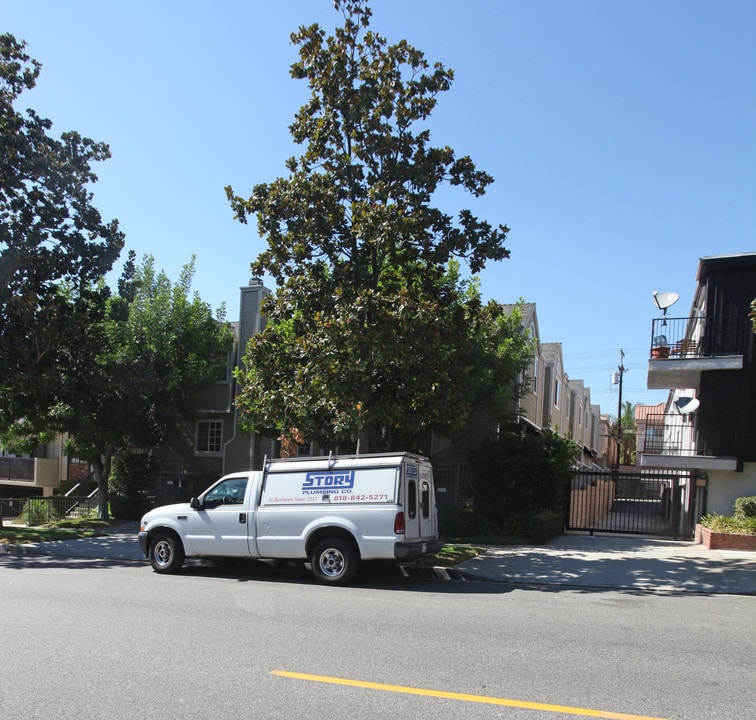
(334, 561)
(166, 553)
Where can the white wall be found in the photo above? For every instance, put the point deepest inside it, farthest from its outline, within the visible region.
(724, 487)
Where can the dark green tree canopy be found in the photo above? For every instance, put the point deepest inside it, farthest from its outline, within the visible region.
(359, 199)
(136, 373)
(369, 332)
(54, 245)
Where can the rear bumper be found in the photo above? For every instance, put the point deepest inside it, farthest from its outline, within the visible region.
(410, 551)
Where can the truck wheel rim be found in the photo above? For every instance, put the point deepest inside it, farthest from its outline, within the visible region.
(162, 553)
(332, 562)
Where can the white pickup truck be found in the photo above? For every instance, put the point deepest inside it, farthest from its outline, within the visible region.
(331, 511)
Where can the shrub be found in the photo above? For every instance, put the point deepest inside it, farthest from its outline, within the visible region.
(729, 524)
(37, 511)
(123, 507)
(132, 473)
(518, 476)
(461, 523)
(470, 525)
(745, 507)
(546, 524)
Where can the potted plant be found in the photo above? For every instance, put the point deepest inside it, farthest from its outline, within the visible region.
(660, 348)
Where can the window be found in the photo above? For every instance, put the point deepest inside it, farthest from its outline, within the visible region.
(535, 375)
(209, 436)
(556, 392)
(412, 499)
(220, 367)
(228, 492)
(425, 500)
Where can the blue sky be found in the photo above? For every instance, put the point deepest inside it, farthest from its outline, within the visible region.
(621, 135)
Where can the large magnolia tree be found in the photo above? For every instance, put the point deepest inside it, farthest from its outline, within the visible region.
(54, 245)
(372, 336)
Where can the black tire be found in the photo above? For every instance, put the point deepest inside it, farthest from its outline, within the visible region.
(166, 553)
(334, 561)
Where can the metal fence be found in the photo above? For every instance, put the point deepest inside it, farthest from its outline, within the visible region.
(39, 510)
(13, 468)
(699, 337)
(688, 434)
(638, 503)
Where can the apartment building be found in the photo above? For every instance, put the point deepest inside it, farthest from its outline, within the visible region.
(551, 399)
(708, 424)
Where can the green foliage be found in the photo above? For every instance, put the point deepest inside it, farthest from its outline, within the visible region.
(54, 246)
(136, 373)
(745, 507)
(58, 530)
(128, 507)
(729, 524)
(133, 472)
(475, 526)
(743, 520)
(460, 523)
(325, 370)
(371, 337)
(519, 476)
(628, 433)
(37, 511)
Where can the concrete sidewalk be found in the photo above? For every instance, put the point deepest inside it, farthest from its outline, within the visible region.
(619, 562)
(120, 543)
(568, 561)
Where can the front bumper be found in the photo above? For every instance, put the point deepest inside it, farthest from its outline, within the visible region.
(142, 537)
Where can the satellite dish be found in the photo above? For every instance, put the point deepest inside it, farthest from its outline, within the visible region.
(687, 405)
(665, 300)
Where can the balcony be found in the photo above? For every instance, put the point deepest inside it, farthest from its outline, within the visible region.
(32, 472)
(683, 348)
(688, 441)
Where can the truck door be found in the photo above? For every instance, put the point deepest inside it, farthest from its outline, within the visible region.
(221, 526)
(420, 511)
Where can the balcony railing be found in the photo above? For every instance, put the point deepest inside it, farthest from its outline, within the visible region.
(699, 337)
(689, 435)
(17, 469)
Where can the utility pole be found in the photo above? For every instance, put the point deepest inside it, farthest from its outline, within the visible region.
(621, 372)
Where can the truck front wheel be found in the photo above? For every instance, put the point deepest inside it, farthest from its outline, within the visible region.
(166, 553)
(334, 561)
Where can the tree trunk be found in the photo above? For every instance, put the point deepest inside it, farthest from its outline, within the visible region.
(101, 468)
(363, 440)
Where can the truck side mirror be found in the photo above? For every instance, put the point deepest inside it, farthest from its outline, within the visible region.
(195, 504)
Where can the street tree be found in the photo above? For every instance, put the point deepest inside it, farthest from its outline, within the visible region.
(370, 333)
(136, 374)
(54, 245)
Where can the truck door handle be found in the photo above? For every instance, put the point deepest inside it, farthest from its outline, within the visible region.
(242, 517)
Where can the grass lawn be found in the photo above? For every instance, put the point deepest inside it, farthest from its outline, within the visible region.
(68, 530)
(450, 555)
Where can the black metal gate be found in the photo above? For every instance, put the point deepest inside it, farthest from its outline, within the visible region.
(635, 502)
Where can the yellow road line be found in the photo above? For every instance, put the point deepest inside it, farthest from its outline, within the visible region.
(565, 709)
